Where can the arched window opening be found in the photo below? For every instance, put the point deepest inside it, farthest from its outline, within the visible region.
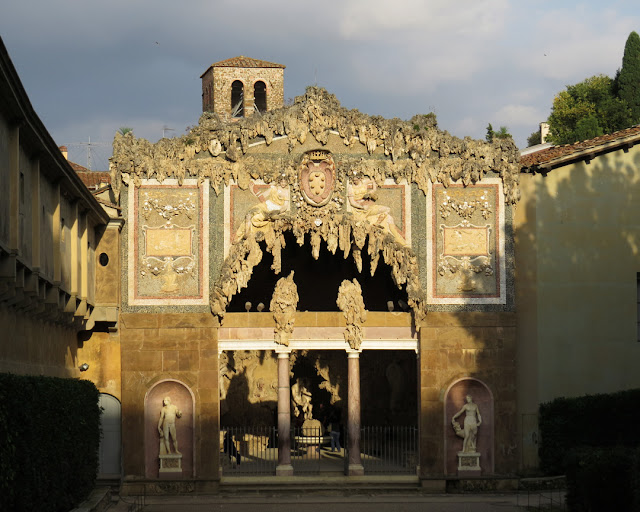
(237, 99)
(260, 96)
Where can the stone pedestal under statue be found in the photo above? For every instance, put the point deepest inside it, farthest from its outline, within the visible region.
(469, 464)
(170, 465)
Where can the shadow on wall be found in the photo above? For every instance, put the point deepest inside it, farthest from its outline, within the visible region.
(577, 243)
(249, 386)
(583, 231)
(248, 389)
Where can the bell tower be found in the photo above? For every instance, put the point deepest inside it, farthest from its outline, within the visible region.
(241, 86)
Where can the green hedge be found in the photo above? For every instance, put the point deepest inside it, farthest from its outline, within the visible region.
(603, 479)
(567, 424)
(49, 440)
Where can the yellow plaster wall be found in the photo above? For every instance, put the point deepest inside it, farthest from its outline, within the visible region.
(32, 347)
(107, 285)
(24, 206)
(577, 253)
(4, 180)
(102, 353)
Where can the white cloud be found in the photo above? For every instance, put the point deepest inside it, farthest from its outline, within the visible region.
(519, 115)
(375, 19)
(577, 43)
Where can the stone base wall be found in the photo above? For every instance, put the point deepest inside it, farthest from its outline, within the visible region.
(456, 346)
(176, 346)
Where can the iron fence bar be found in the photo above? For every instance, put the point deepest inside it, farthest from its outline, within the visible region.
(389, 449)
(248, 450)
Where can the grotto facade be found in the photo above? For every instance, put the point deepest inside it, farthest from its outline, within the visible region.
(357, 263)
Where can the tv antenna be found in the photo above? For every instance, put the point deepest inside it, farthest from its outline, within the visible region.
(91, 148)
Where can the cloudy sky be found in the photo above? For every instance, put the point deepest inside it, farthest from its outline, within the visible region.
(90, 67)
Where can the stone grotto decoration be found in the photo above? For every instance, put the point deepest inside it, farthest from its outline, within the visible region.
(283, 306)
(321, 193)
(351, 304)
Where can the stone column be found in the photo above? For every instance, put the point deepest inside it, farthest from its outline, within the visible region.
(419, 405)
(284, 467)
(353, 410)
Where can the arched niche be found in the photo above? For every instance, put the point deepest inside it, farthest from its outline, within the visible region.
(183, 398)
(455, 398)
(109, 453)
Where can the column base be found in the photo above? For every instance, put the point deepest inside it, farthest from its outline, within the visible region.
(284, 470)
(355, 470)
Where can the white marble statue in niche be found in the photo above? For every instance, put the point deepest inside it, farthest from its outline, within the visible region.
(472, 421)
(167, 427)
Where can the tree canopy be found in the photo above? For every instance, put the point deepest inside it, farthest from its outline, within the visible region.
(599, 104)
(587, 109)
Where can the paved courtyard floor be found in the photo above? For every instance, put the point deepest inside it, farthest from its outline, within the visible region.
(319, 503)
(314, 502)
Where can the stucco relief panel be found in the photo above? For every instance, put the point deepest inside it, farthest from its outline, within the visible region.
(386, 206)
(466, 246)
(168, 243)
(253, 209)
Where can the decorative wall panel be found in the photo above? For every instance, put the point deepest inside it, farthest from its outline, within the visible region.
(253, 209)
(168, 261)
(466, 244)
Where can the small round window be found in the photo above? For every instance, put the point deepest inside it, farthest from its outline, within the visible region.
(103, 259)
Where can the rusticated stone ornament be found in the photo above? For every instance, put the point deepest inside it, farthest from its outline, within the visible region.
(283, 306)
(351, 304)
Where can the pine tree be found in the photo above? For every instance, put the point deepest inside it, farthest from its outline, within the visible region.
(629, 76)
(490, 133)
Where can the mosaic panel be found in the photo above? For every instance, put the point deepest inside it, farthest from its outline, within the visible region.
(466, 253)
(168, 257)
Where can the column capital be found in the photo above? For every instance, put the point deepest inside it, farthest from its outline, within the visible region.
(283, 353)
(352, 353)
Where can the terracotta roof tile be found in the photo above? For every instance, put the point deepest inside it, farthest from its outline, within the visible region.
(597, 144)
(246, 62)
(93, 179)
(77, 167)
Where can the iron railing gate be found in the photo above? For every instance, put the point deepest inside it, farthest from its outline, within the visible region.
(390, 449)
(306, 449)
(249, 450)
(254, 450)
